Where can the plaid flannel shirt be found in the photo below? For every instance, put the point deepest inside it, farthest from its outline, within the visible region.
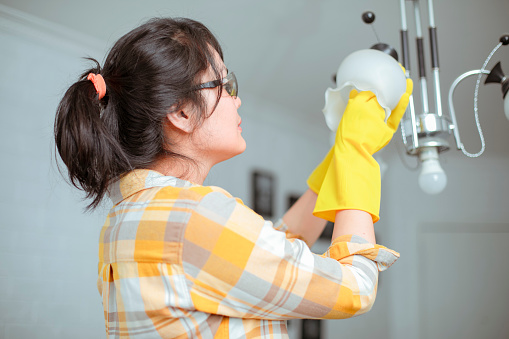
(180, 260)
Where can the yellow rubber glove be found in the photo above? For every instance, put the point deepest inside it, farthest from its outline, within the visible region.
(352, 178)
(316, 178)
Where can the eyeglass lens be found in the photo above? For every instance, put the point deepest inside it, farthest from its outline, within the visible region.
(230, 85)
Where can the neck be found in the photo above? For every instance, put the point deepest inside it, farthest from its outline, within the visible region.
(182, 168)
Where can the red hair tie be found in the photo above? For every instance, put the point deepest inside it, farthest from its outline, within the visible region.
(99, 84)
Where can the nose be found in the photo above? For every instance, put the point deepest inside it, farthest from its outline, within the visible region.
(238, 102)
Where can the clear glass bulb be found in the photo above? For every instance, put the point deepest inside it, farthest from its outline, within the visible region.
(432, 179)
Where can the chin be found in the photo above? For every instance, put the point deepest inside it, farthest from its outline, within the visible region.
(241, 146)
(239, 150)
(244, 145)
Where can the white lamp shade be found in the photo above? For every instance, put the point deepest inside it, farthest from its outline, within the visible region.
(365, 70)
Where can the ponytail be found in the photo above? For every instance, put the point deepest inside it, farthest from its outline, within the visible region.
(90, 152)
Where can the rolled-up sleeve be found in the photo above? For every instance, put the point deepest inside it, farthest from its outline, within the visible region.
(238, 265)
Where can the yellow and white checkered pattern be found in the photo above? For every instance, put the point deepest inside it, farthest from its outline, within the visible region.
(179, 260)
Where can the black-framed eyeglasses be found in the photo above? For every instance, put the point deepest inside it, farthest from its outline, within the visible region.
(229, 83)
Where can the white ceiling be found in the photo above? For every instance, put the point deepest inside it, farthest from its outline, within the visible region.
(286, 51)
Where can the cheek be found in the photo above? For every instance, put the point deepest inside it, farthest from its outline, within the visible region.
(212, 126)
(210, 99)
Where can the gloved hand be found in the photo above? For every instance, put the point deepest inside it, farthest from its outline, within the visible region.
(349, 177)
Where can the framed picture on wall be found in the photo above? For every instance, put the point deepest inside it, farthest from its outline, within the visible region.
(263, 193)
(311, 329)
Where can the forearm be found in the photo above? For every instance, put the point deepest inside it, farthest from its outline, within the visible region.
(354, 222)
(300, 219)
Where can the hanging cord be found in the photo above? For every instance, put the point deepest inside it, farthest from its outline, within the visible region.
(376, 35)
(476, 111)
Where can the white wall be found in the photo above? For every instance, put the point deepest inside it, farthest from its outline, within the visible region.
(451, 280)
(48, 246)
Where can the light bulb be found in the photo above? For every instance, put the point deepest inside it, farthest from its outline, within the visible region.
(432, 179)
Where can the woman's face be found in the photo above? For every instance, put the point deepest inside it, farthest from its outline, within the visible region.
(219, 137)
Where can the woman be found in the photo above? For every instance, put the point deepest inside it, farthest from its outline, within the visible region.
(178, 259)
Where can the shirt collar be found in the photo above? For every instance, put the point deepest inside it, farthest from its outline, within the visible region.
(141, 179)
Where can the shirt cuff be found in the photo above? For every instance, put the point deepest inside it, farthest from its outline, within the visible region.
(348, 245)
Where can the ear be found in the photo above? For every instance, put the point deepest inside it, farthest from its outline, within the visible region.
(180, 120)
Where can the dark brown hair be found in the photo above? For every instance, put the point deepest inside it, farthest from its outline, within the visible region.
(149, 71)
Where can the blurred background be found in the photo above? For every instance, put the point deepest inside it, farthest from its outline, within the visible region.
(451, 279)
